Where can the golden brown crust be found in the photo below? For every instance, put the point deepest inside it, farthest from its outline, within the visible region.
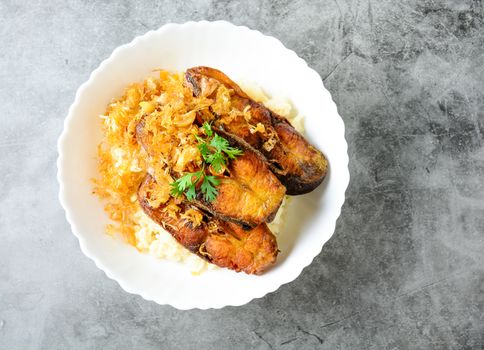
(299, 165)
(251, 251)
(249, 194)
(222, 243)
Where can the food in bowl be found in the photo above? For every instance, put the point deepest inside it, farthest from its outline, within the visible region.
(205, 162)
(299, 166)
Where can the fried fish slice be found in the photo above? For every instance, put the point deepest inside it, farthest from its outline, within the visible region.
(224, 244)
(299, 165)
(248, 194)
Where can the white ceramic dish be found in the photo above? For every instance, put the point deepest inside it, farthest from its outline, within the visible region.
(243, 54)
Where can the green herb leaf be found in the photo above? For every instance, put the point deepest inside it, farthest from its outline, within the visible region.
(175, 190)
(191, 193)
(217, 161)
(215, 150)
(204, 150)
(208, 189)
(185, 181)
(219, 143)
(213, 180)
(208, 129)
(232, 152)
(186, 184)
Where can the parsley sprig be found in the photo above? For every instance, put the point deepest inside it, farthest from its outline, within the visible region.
(216, 151)
(187, 184)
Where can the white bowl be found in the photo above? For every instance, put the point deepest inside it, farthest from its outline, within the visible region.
(243, 54)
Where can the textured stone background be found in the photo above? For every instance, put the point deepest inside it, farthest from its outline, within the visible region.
(405, 268)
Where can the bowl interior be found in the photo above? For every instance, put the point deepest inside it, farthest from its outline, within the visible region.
(243, 55)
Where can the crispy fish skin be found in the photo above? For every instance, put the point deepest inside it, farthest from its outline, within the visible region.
(299, 165)
(224, 244)
(249, 195)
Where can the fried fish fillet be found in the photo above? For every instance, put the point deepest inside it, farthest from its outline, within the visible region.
(222, 243)
(298, 165)
(248, 194)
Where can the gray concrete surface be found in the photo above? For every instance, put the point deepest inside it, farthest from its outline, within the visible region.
(405, 268)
